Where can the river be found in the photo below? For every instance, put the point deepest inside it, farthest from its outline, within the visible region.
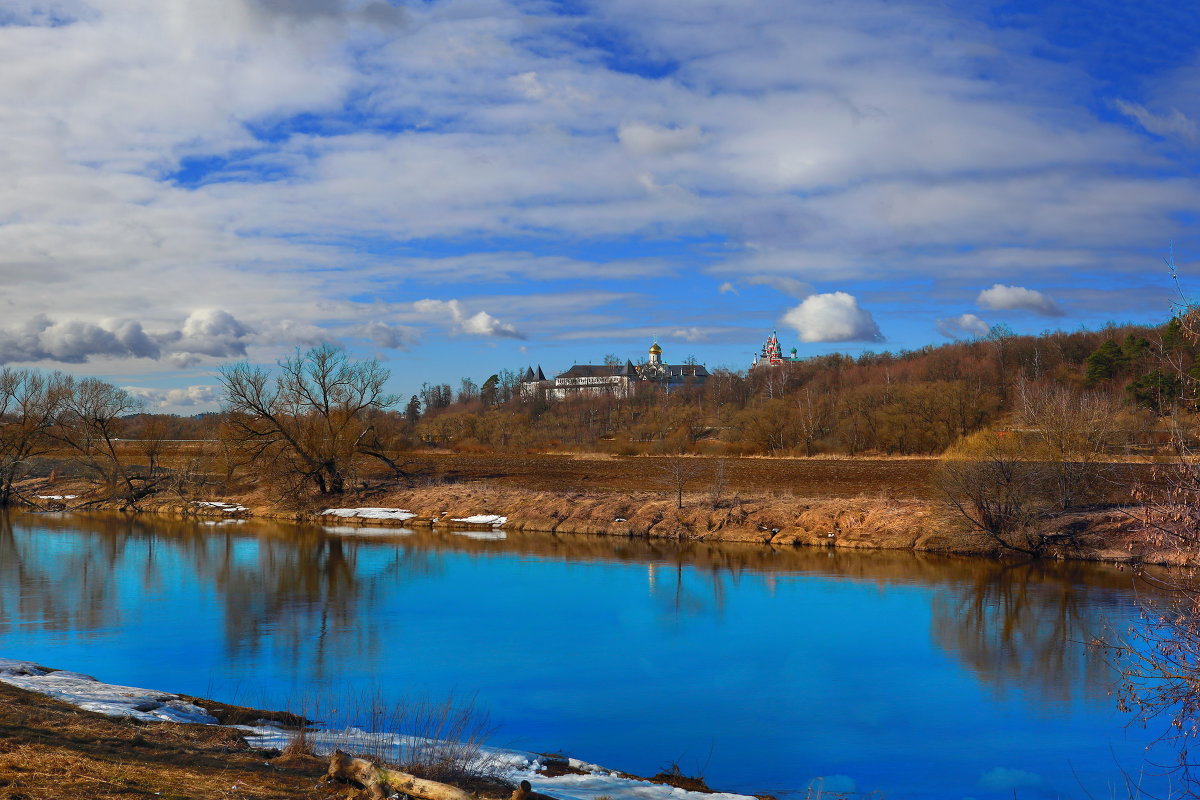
(910, 675)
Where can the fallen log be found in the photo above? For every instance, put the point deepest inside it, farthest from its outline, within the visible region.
(383, 782)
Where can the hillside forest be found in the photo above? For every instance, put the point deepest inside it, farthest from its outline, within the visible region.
(916, 402)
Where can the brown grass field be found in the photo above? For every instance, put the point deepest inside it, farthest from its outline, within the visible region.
(52, 751)
(815, 477)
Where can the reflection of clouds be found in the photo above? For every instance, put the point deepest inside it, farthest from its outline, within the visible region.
(1004, 779)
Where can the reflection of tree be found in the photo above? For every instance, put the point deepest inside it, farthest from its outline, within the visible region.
(301, 593)
(57, 588)
(298, 593)
(1025, 626)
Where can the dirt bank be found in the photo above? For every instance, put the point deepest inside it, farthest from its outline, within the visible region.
(50, 750)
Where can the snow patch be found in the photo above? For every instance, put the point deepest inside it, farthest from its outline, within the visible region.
(55, 496)
(227, 508)
(482, 519)
(90, 694)
(515, 765)
(399, 514)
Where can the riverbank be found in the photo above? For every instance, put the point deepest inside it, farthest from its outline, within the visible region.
(65, 736)
(862, 503)
(1112, 534)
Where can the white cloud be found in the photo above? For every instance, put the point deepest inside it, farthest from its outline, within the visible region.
(645, 139)
(833, 317)
(484, 324)
(153, 160)
(780, 283)
(1018, 298)
(187, 397)
(479, 324)
(393, 337)
(212, 332)
(1173, 124)
(727, 288)
(965, 326)
(692, 334)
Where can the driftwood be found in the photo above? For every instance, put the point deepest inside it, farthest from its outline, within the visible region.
(382, 782)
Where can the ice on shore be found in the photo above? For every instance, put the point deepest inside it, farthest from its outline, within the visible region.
(400, 514)
(515, 765)
(87, 693)
(90, 694)
(227, 508)
(482, 519)
(55, 496)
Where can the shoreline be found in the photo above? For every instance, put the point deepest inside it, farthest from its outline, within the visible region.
(1108, 534)
(35, 700)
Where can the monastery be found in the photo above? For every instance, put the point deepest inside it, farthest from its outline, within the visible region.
(772, 354)
(619, 381)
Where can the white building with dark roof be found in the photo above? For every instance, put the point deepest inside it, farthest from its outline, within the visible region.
(618, 381)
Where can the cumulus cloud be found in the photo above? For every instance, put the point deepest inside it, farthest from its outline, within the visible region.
(479, 324)
(74, 341)
(186, 397)
(833, 317)
(1172, 124)
(727, 288)
(645, 139)
(221, 154)
(1018, 298)
(393, 337)
(965, 326)
(204, 333)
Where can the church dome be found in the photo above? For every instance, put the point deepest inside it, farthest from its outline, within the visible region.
(654, 348)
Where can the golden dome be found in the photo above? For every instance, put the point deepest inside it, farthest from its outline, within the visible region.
(654, 348)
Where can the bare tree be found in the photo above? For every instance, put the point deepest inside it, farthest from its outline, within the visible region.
(89, 424)
(30, 404)
(676, 472)
(1073, 434)
(989, 480)
(308, 424)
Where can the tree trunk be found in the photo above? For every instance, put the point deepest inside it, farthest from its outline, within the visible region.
(382, 782)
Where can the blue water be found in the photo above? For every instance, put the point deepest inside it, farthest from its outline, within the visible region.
(896, 673)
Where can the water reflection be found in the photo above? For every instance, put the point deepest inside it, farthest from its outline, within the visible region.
(308, 593)
(1021, 626)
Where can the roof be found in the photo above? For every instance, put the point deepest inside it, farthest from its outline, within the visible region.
(592, 371)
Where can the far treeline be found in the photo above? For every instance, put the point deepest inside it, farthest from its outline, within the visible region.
(321, 423)
(918, 402)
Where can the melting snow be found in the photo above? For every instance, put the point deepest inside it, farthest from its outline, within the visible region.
(90, 694)
(369, 513)
(228, 508)
(483, 519)
(104, 698)
(513, 764)
(56, 496)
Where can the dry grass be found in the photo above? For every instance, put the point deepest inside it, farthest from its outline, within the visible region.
(52, 751)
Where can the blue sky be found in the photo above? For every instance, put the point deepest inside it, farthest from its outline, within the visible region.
(462, 186)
